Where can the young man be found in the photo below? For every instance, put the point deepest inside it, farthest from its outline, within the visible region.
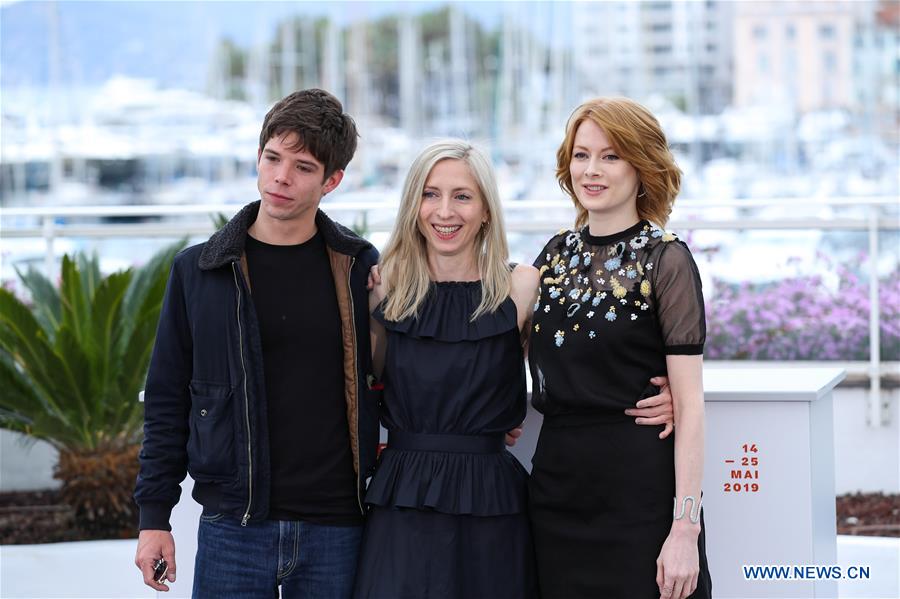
(258, 381)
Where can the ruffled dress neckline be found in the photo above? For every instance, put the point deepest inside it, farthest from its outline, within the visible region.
(446, 315)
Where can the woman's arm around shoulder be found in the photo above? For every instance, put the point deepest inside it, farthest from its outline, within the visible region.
(523, 291)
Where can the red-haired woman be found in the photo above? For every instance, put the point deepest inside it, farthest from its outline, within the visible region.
(620, 301)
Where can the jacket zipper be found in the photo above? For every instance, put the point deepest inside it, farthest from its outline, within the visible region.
(246, 401)
(358, 398)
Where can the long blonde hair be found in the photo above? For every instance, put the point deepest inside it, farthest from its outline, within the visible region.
(404, 263)
(639, 139)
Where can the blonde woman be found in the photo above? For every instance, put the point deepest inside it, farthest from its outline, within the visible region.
(447, 503)
(620, 301)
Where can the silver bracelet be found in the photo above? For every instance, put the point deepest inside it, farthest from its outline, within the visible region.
(694, 517)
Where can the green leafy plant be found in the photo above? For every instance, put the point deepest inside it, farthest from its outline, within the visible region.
(219, 220)
(361, 225)
(71, 367)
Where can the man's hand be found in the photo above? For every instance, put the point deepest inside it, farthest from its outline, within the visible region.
(153, 545)
(657, 409)
(374, 277)
(513, 436)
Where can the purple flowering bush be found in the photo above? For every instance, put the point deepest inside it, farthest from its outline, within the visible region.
(801, 319)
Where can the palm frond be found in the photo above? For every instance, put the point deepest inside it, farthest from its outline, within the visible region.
(45, 299)
(149, 281)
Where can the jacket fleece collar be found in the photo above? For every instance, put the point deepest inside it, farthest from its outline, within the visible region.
(227, 244)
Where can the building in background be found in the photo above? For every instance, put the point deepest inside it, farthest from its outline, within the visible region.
(882, 90)
(798, 54)
(680, 50)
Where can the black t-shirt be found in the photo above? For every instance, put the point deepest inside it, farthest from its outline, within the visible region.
(312, 476)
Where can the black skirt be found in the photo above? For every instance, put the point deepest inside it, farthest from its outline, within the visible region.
(429, 554)
(600, 501)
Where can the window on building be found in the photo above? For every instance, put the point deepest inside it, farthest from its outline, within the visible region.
(660, 71)
(829, 61)
(760, 32)
(827, 93)
(710, 47)
(661, 27)
(762, 63)
(826, 31)
(665, 49)
(790, 32)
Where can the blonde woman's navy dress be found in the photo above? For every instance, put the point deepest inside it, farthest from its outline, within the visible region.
(610, 310)
(447, 502)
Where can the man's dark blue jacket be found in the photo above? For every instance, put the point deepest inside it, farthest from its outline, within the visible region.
(204, 402)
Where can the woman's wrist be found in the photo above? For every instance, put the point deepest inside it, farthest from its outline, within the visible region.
(686, 515)
(685, 527)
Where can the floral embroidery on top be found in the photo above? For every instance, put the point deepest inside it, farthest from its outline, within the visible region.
(612, 263)
(638, 242)
(622, 286)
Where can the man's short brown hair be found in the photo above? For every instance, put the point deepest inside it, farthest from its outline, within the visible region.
(320, 123)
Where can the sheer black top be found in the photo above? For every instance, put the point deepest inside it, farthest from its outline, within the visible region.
(610, 309)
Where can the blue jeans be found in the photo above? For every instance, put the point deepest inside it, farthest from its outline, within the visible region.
(308, 560)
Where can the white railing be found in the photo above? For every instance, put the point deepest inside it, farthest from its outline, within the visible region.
(871, 214)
